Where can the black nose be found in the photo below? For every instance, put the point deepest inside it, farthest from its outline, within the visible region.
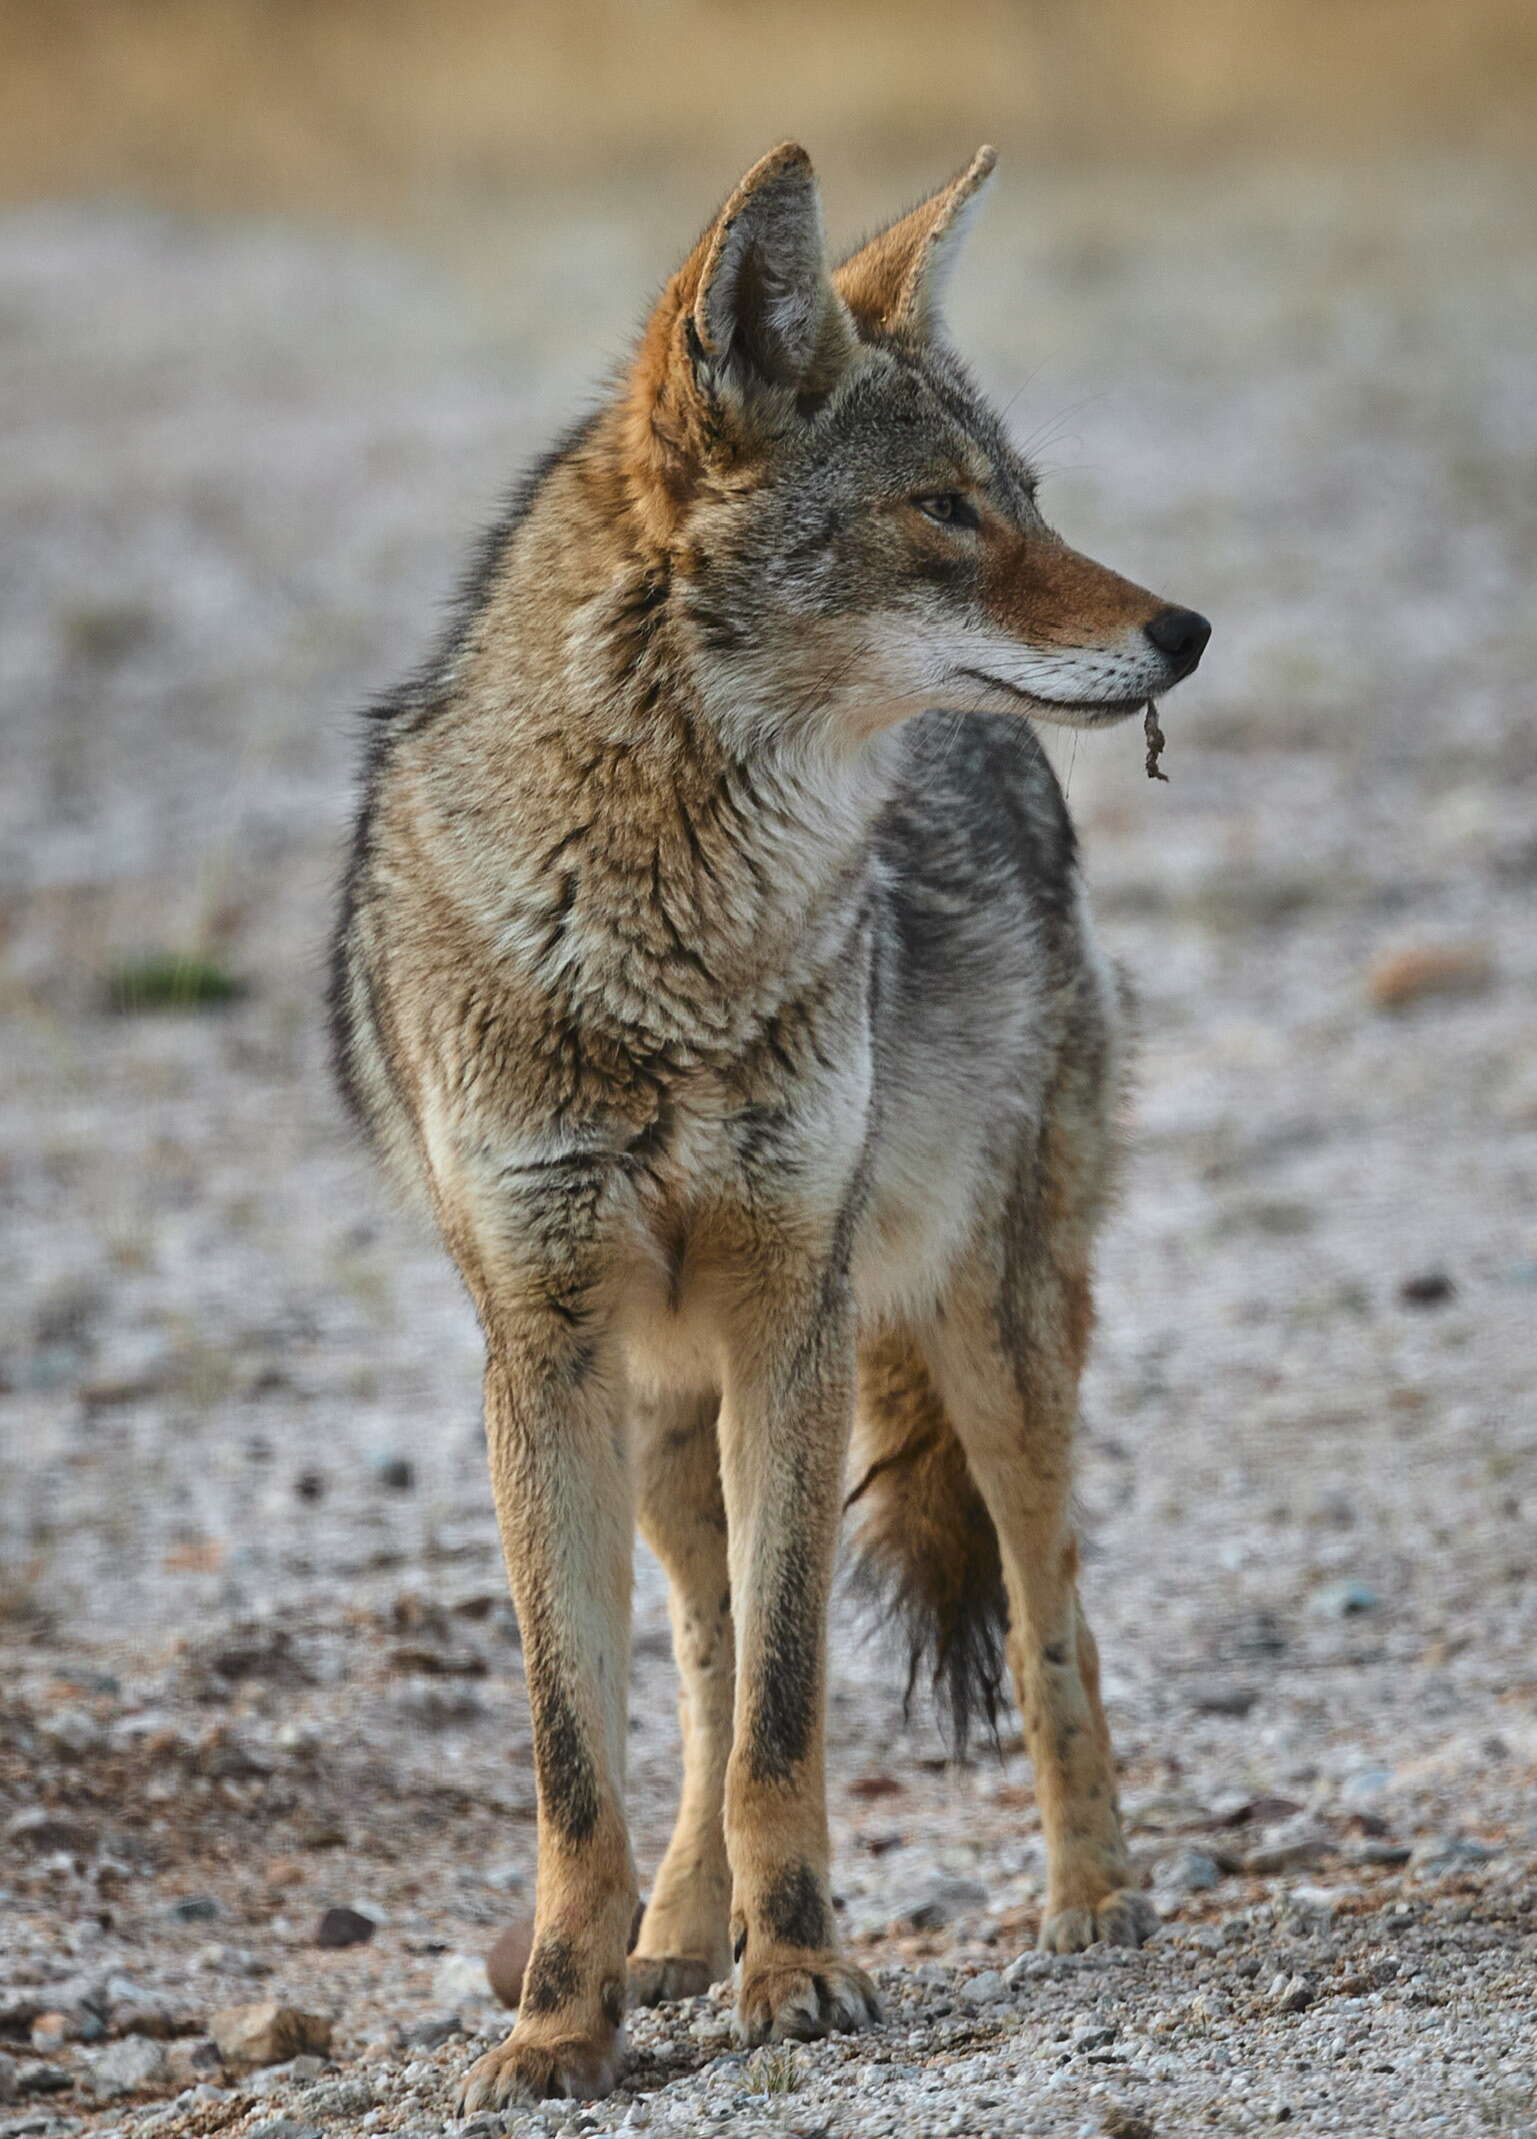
(1181, 634)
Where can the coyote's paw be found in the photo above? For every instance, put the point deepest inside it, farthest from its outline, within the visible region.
(791, 2003)
(1124, 1918)
(579, 2068)
(659, 1978)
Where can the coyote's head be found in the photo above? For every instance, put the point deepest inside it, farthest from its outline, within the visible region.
(843, 515)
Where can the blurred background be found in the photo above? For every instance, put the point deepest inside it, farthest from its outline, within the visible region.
(289, 290)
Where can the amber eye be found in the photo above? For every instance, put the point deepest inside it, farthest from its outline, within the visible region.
(950, 508)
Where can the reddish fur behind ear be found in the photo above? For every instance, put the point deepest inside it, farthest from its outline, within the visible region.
(749, 327)
(666, 427)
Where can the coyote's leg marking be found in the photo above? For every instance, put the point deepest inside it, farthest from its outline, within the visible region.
(1006, 1354)
(784, 1428)
(563, 1504)
(685, 1936)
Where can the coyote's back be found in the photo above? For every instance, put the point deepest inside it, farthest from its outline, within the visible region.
(740, 1017)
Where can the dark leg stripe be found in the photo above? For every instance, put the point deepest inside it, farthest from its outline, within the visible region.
(568, 1783)
(793, 1911)
(554, 1978)
(784, 1685)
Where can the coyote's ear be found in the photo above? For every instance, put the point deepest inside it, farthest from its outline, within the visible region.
(894, 283)
(765, 314)
(747, 333)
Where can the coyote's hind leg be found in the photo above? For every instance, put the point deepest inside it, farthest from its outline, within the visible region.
(685, 1935)
(1007, 1353)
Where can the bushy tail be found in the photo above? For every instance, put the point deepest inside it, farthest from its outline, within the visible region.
(925, 1550)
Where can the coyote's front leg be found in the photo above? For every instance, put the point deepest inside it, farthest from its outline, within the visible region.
(784, 1428)
(563, 1506)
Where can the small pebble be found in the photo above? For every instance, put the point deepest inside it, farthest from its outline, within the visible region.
(1343, 1600)
(941, 1900)
(133, 2066)
(268, 2034)
(1292, 1994)
(51, 2031)
(1427, 1288)
(193, 1909)
(43, 2079)
(1313, 1907)
(1442, 1854)
(1224, 1700)
(1094, 2039)
(436, 2029)
(1289, 1846)
(1372, 1850)
(1187, 1871)
(344, 1927)
(1120, 2122)
(294, 2072)
(1403, 977)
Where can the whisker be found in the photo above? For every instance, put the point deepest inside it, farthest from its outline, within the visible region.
(1048, 432)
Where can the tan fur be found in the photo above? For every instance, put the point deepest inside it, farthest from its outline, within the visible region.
(895, 281)
(684, 1943)
(747, 1038)
(671, 432)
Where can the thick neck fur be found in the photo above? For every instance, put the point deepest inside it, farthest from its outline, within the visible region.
(665, 843)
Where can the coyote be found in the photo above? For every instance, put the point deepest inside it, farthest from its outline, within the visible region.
(713, 955)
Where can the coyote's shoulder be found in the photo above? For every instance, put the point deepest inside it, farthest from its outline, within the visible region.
(713, 956)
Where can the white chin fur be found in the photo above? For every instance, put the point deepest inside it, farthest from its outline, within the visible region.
(1077, 687)
(910, 667)
(1070, 716)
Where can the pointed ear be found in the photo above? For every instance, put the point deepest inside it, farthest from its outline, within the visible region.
(894, 283)
(765, 314)
(748, 330)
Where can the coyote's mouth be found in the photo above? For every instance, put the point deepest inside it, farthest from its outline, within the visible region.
(1079, 712)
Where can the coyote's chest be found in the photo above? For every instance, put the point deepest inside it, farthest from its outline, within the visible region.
(733, 1189)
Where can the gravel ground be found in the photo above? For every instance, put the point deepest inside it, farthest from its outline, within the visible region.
(257, 1659)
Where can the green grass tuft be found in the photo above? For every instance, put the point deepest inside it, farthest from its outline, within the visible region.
(169, 980)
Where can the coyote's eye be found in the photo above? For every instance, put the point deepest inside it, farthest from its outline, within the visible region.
(950, 508)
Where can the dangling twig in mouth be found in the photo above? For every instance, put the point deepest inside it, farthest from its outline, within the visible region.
(1154, 734)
